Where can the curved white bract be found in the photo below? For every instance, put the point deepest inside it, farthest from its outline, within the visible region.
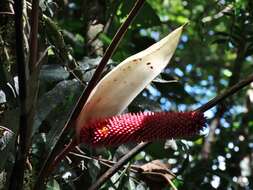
(120, 86)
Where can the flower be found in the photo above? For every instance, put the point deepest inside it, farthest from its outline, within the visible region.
(142, 126)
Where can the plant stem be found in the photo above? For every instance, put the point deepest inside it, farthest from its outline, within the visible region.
(17, 176)
(118, 165)
(62, 154)
(44, 173)
(110, 172)
(27, 88)
(33, 35)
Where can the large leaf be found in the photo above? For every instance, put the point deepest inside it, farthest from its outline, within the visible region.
(53, 73)
(120, 86)
(61, 99)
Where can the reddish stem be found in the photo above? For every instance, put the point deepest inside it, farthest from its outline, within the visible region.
(62, 154)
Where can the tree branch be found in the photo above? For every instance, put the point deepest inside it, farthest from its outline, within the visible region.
(44, 173)
(229, 92)
(235, 88)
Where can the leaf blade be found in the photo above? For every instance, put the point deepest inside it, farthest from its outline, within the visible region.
(120, 86)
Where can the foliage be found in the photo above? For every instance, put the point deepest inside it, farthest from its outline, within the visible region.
(215, 52)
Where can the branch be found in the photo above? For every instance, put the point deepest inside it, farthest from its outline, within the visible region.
(17, 176)
(229, 92)
(107, 163)
(118, 165)
(44, 173)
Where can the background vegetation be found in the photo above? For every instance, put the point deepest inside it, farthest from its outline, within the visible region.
(215, 52)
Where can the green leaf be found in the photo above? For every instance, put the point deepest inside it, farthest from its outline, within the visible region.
(57, 103)
(94, 169)
(53, 185)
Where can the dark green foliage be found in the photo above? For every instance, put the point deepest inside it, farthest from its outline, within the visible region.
(215, 52)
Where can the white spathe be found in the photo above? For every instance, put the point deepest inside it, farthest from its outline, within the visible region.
(120, 86)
